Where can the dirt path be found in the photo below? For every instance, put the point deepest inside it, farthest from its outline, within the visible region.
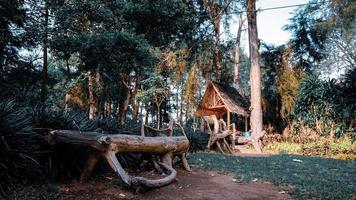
(197, 185)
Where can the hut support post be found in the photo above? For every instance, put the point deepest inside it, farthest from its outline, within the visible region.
(228, 119)
(233, 136)
(246, 125)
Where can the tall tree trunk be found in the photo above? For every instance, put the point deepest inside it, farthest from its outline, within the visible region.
(135, 102)
(158, 116)
(238, 54)
(107, 107)
(177, 102)
(91, 96)
(217, 50)
(99, 95)
(181, 102)
(146, 113)
(45, 57)
(125, 107)
(255, 76)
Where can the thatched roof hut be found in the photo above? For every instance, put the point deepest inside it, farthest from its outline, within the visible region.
(219, 99)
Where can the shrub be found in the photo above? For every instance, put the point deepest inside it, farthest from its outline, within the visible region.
(18, 150)
(320, 108)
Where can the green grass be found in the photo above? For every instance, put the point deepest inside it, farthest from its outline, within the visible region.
(285, 147)
(314, 177)
(342, 148)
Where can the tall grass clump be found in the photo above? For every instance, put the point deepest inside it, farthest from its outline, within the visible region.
(18, 149)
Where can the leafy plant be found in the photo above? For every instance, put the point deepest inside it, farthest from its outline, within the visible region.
(320, 106)
(18, 150)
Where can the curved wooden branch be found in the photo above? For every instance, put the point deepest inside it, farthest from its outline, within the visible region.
(141, 181)
(168, 130)
(155, 129)
(219, 136)
(228, 147)
(116, 166)
(183, 157)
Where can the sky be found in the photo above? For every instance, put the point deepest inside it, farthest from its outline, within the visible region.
(270, 22)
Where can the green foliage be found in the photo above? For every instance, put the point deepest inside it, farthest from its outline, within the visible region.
(272, 65)
(280, 86)
(155, 89)
(18, 150)
(197, 140)
(321, 107)
(313, 178)
(12, 16)
(25, 154)
(192, 87)
(161, 21)
(323, 34)
(287, 86)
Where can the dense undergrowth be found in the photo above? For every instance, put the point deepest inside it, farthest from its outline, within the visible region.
(25, 156)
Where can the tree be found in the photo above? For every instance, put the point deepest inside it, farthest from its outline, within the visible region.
(255, 77)
(12, 15)
(216, 10)
(155, 89)
(323, 35)
(238, 53)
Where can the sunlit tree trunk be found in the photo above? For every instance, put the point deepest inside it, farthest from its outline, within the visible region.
(158, 116)
(217, 50)
(146, 113)
(255, 76)
(181, 102)
(237, 53)
(99, 96)
(124, 104)
(91, 96)
(124, 107)
(135, 102)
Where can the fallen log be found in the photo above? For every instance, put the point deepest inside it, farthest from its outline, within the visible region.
(107, 146)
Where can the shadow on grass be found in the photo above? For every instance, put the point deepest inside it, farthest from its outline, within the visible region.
(311, 177)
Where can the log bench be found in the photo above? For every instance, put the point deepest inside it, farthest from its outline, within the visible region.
(106, 147)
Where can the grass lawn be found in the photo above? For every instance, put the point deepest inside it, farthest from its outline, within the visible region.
(314, 177)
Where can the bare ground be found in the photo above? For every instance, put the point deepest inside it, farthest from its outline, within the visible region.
(196, 185)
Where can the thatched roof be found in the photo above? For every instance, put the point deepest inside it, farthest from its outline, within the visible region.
(218, 99)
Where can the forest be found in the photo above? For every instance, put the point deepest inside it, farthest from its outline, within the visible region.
(125, 68)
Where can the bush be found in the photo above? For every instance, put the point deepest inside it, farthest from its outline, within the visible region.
(25, 154)
(321, 108)
(18, 149)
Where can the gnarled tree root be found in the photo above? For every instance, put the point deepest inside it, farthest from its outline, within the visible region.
(107, 146)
